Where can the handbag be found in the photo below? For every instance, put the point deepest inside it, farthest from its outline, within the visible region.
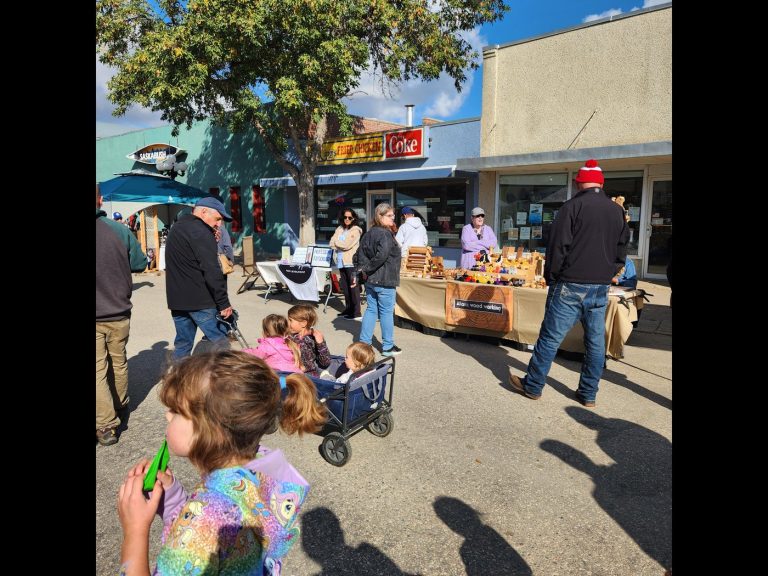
(226, 267)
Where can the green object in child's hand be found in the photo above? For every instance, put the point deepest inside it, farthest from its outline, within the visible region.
(160, 462)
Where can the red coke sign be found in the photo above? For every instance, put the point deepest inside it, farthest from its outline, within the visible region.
(404, 144)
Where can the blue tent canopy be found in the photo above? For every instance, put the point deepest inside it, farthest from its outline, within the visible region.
(147, 190)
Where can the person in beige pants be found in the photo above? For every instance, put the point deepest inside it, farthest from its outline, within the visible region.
(117, 255)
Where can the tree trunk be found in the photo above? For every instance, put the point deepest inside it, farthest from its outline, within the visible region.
(306, 187)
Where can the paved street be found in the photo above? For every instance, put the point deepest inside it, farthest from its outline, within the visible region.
(473, 480)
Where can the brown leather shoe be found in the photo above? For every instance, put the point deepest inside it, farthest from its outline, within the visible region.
(586, 403)
(517, 386)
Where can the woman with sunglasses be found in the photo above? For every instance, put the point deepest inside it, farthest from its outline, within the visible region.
(345, 241)
(476, 236)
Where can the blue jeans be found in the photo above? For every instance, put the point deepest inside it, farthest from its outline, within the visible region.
(381, 305)
(568, 302)
(188, 321)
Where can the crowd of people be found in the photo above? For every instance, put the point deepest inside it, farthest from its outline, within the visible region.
(220, 403)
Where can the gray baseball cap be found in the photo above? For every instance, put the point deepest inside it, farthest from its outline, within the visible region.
(215, 203)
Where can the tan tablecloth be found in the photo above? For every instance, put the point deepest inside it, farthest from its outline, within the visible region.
(423, 301)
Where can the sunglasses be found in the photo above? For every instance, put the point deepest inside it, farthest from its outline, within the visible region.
(349, 217)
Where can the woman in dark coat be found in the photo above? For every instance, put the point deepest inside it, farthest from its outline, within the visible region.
(378, 263)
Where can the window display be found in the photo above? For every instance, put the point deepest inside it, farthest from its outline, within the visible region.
(332, 199)
(441, 206)
(528, 204)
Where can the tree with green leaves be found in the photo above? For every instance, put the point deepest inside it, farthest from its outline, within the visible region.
(280, 66)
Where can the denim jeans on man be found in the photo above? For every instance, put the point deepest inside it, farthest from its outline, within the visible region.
(381, 305)
(188, 321)
(568, 302)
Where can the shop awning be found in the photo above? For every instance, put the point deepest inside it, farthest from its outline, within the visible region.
(367, 176)
(661, 150)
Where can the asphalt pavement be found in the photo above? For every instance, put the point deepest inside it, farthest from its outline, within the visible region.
(474, 479)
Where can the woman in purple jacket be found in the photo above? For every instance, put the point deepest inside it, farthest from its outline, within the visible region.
(476, 236)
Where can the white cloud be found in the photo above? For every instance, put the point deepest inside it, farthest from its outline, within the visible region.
(135, 118)
(606, 14)
(617, 11)
(437, 99)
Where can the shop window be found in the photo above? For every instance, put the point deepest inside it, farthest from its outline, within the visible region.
(442, 207)
(234, 208)
(259, 221)
(629, 185)
(330, 200)
(528, 204)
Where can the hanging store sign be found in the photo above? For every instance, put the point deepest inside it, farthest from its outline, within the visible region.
(152, 153)
(397, 145)
(404, 144)
(347, 150)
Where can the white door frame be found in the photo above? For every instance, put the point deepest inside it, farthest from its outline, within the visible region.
(646, 239)
(369, 201)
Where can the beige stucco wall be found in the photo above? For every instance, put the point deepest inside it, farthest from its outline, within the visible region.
(538, 95)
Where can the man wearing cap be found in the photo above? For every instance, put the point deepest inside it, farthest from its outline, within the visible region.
(117, 255)
(476, 236)
(195, 287)
(587, 247)
(412, 232)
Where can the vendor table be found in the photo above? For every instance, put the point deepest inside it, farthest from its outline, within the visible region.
(274, 278)
(422, 301)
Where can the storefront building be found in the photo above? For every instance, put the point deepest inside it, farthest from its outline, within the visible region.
(406, 166)
(227, 165)
(602, 90)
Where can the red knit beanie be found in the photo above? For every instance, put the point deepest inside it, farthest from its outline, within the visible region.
(590, 172)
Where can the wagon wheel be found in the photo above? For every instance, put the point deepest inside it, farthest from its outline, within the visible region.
(382, 426)
(336, 449)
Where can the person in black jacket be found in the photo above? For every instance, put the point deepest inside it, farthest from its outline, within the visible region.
(117, 255)
(378, 263)
(587, 247)
(195, 287)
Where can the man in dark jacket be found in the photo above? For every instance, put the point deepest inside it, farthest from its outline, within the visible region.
(195, 287)
(587, 247)
(117, 255)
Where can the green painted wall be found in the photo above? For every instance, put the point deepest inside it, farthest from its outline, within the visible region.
(216, 159)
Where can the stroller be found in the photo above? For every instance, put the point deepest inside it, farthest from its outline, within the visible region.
(365, 401)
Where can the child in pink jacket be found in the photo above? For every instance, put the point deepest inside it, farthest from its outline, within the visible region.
(276, 348)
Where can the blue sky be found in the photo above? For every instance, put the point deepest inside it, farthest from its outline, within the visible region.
(437, 99)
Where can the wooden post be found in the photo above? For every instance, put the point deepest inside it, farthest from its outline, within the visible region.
(142, 232)
(156, 261)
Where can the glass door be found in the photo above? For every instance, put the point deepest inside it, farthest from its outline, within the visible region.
(659, 235)
(376, 197)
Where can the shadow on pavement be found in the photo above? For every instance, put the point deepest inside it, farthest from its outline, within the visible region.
(636, 490)
(621, 380)
(144, 371)
(483, 547)
(322, 538)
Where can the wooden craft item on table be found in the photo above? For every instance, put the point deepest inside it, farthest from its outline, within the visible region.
(479, 306)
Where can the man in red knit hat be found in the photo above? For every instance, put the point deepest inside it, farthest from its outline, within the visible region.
(587, 247)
